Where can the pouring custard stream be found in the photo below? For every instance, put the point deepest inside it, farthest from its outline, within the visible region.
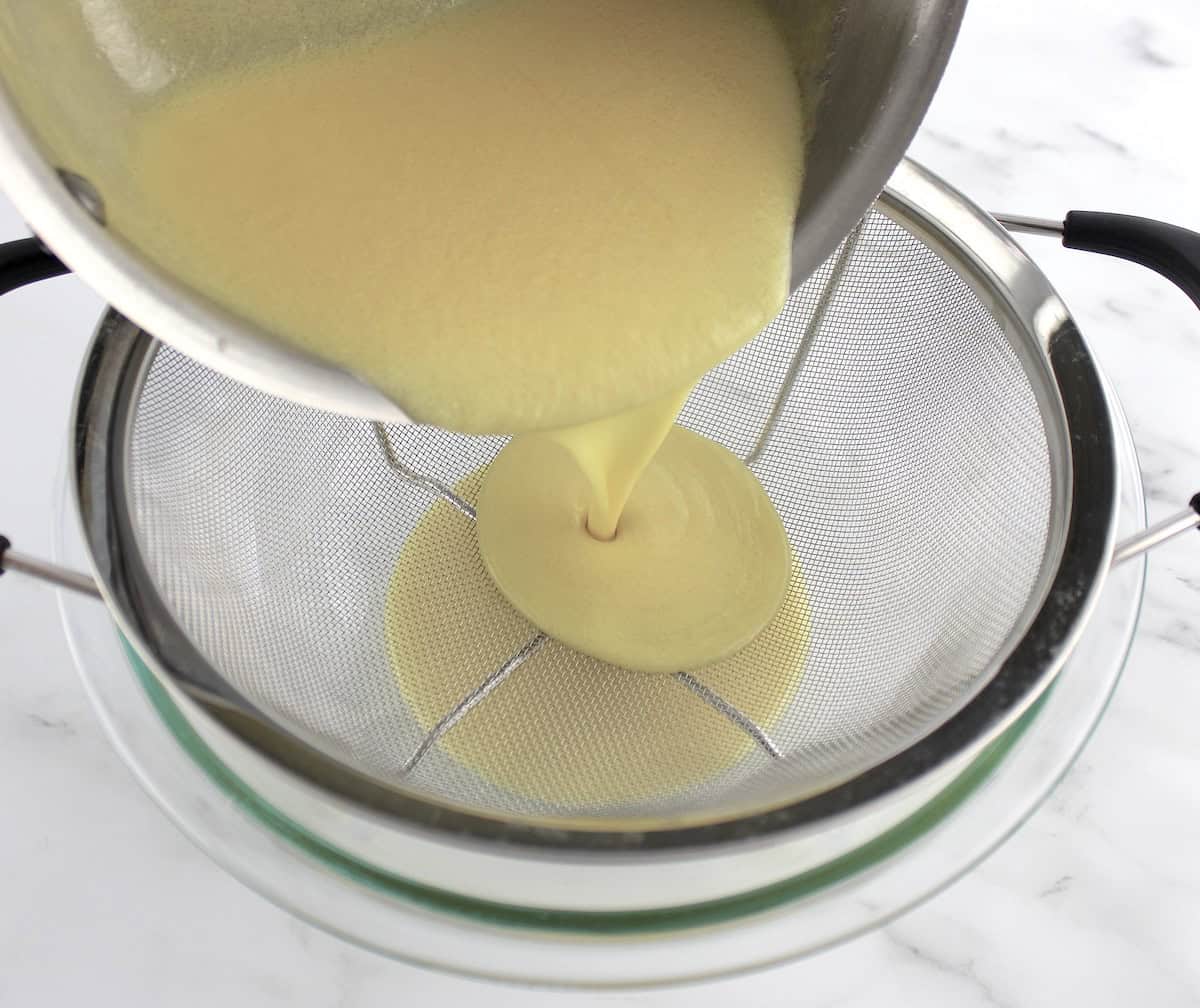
(533, 217)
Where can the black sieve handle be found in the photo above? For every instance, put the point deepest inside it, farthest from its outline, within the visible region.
(1171, 251)
(1174, 253)
(24, 262)
(27, 261)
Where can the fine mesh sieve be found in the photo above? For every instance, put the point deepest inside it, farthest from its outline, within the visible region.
(907, 424)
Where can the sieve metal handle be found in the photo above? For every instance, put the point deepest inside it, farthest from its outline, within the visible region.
(1168, 528)
(1169, 250)
(43, 570)
(24, 262)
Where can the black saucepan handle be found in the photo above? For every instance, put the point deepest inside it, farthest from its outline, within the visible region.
(24, 262)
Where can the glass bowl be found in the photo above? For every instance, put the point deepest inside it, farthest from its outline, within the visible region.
(341, 870)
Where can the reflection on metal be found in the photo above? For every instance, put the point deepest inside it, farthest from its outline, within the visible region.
(1031, 225)
(86, 194)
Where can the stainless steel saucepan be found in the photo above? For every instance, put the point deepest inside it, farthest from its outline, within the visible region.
(76, 75)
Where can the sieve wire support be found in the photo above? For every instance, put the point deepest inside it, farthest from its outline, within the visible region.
(841, 262)
(497, 678)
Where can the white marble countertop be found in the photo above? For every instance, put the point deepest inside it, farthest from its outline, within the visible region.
(1049, 105)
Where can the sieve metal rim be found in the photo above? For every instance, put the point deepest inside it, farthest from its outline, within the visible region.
(970, 242)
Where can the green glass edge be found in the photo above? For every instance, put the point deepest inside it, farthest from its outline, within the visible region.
(606, 923)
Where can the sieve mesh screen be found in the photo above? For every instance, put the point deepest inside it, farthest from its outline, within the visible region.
(908, 459)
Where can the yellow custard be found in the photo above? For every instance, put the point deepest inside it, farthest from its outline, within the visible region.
(532, 216)
(525, 215)
(612, 453)
(566, 728)
(699, 565)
